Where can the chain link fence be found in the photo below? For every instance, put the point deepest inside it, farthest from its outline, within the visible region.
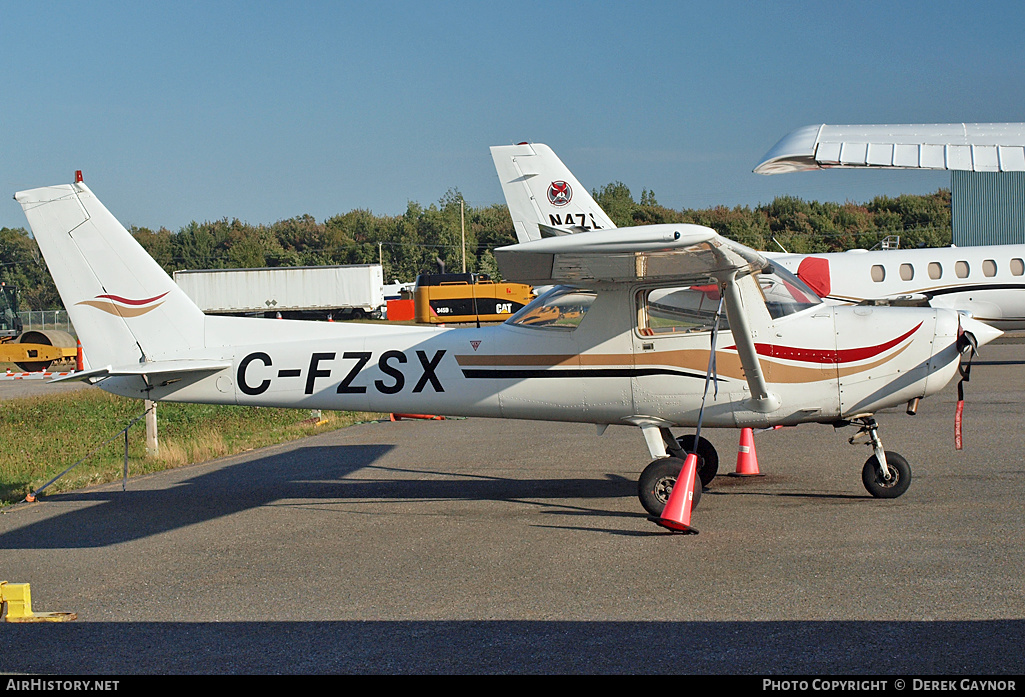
(47, 319)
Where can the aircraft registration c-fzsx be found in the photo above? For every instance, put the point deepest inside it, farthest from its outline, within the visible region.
(632, 333)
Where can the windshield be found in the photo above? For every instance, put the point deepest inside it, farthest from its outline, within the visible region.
(785, 293)
(560, 308)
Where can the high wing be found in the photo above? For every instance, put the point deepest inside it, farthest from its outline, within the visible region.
(972, 147)
(670, 252)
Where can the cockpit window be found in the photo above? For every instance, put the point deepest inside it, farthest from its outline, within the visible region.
(785, 293)
(561, 308)
(679, 310)
(689, 309)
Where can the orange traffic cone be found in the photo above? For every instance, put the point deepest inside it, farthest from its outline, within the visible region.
(747, 460)
(676, 515)
(428, 417)
(79, 360)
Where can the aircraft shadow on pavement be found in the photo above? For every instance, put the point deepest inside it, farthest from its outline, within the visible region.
(305, 473)
(819, 648)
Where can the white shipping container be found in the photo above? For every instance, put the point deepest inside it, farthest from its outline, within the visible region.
(285, 289)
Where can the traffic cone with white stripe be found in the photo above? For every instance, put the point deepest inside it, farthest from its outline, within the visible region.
(747, 459)
(676, 515)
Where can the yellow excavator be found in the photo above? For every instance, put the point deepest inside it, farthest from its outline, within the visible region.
(36, 349)
(466, 297)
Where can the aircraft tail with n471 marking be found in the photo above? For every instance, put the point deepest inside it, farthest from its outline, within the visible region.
(543, 196)
(625, 337)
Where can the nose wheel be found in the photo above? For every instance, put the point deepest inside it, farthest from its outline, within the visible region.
(886, 475)
(886, 487)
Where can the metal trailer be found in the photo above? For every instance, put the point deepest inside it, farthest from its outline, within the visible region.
(290, 292)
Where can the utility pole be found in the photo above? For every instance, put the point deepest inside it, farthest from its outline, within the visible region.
(462, 229)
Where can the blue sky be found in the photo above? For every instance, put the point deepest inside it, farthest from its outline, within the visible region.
(261, 111)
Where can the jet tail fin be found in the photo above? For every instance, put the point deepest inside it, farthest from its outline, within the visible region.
(125, 308)
(541, 192)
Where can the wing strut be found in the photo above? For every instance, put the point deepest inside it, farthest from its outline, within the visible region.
(761, 399)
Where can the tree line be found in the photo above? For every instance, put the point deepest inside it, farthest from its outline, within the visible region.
(425, 237)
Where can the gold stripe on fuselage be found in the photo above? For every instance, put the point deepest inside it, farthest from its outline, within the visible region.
(727, 363)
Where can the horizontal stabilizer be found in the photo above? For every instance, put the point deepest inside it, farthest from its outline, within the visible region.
(549, 231)
(148, 370)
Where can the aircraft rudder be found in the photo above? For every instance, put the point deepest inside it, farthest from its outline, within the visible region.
(124, 306)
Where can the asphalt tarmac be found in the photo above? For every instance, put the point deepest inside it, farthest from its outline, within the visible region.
(471, 546)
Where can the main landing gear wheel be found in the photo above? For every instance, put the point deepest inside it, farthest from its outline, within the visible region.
(657, 482)
(708, 458)
(897, 484)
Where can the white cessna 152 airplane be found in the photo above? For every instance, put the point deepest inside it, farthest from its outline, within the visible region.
(624, 337)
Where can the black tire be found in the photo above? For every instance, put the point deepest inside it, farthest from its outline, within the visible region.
(900, 473)
(656, 483)
(708, 458)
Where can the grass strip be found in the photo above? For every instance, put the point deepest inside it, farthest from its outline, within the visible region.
(44, 435)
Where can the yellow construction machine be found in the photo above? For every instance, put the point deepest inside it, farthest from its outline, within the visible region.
(35, 349)
(466, 297)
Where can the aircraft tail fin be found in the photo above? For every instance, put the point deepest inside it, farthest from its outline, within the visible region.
(542, 193)
(125, 308)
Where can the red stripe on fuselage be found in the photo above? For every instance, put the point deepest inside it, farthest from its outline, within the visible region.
(793, 353)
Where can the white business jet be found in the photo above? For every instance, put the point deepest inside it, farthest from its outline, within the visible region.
(625, 337)
(987, 281)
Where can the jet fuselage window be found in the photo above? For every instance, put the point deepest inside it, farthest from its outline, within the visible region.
(1017, 267)
(878, 273)
(961, 269)
(989, 268)
(562, 309)
(935, 270)
(907, 272)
